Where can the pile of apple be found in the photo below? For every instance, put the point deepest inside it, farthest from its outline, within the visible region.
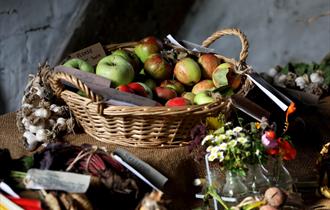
(149, 71)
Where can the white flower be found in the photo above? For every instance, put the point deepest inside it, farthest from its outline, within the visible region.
(212, 156)
(207, 138)
(242, 140)
(221, 156)
(228, 124)
(215, 149)
(229, 132)
(237, 129)
(241, 134)
(222, 137)
(223, 146)
(209, 148)
(257, 152)
(232, 143)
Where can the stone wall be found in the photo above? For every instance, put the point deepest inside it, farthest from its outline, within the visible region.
(277, 30)
(32, 32)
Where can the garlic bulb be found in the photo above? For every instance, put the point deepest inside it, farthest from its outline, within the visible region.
(272, 72)
(30, 137)
(60, 121)
(316, 78)
(301, 82)
(42, 113)
(42, 135)
(280, 79)
(40, 119)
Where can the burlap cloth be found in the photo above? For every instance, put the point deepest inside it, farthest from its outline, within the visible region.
(175, 163)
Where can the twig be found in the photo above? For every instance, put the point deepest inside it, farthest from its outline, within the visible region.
(312, 19)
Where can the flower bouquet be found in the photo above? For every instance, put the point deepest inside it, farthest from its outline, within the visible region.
(237, 150)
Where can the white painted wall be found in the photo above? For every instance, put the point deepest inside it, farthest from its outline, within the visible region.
(277, 30)
(32, 32)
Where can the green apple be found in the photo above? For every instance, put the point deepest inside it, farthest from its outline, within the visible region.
(219, 75)
(116, 69)
(79, 64)
(204, 97)
(150, 83)
(147, 89)
(189, 95)
(187, 71)
(146, 47)
(131, 58)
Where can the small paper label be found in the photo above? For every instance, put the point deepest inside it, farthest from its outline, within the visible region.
(91, 54)
(228, 199)
(56, 180)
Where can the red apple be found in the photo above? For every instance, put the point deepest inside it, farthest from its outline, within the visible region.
(202, 86)
(157, 67)
(178, 101)
(138, 89)
(187, 71)
(209, 63)
(165, 93)
(146, 47)
(234, 80)
(175, 85)
(125, 88)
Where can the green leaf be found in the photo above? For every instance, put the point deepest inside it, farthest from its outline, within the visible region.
(300, 68)
(327, 75)
(27, 162)
(285, 70)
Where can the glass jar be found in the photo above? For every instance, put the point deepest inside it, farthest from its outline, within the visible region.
(256, 180)
(281, 176)
(234, 189)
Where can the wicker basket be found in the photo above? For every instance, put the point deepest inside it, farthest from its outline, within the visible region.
(147, 127)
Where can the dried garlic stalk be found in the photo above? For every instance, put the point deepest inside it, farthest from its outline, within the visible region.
(41, 119)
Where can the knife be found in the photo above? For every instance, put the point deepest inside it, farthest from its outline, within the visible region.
(250, 108)
(141, 169)
(101, 86)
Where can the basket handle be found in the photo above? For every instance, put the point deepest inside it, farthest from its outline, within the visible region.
(58, 87)
(230, 31)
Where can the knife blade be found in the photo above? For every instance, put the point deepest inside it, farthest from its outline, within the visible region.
(250, 108)
(101, 86)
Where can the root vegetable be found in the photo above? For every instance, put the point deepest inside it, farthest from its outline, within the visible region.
(274, 197)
